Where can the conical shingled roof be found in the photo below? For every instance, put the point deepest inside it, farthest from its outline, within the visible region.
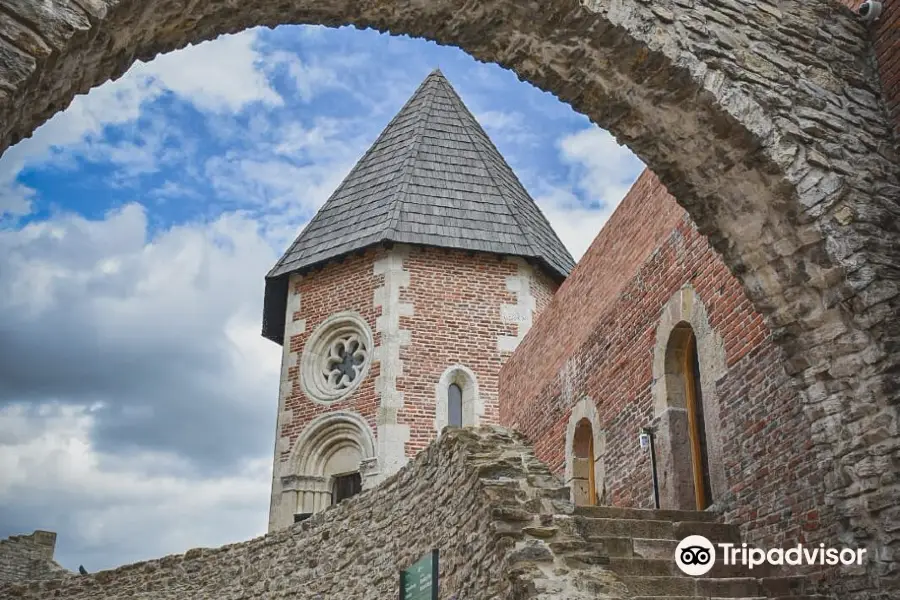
(433, 178)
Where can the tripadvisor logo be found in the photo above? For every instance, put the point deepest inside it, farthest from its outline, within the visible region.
(695, 555)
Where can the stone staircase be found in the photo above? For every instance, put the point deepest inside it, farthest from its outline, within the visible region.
(639, 546)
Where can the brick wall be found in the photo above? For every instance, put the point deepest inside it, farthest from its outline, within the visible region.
(451, 308)
(604, 348)
(776, 491)
(341, 286)
(624, 243)
(29, 557)
(887, 51)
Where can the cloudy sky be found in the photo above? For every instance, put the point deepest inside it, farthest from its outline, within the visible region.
(137, 398)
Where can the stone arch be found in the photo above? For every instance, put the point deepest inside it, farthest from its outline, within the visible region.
(584, 420)
(332, 444)
(472, 403)
(685, 315)
(765, 121)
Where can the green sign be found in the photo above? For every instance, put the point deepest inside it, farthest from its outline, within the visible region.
(420, 581)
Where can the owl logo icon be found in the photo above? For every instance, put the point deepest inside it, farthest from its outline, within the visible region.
(695, 555)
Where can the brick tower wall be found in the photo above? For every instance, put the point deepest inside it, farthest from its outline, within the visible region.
(442, 307)
(604, 350)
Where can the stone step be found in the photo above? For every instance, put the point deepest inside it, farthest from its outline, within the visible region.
(644, 514)
(655, 529)
(779, 587)
(719, 598)
(814, 597)
(730, 587)
(589, 527)
(659, 567)
(694, 598)
(714, 532)
(660, 586)
(627, 547)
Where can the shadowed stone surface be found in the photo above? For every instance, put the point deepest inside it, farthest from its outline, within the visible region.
(764, 119)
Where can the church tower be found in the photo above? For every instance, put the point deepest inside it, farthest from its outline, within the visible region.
(399, 302)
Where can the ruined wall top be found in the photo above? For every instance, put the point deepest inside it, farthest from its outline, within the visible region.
(478, 495)
(29, 557)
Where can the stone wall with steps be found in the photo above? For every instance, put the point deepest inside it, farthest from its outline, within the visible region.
(640, 547)
(502, 522)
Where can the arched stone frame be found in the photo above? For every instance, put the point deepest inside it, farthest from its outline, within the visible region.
(744, 139)
(676, 485)
(333, 444)
(585, 410)
(472, 403)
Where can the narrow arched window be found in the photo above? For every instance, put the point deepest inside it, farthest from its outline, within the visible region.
(454, 406)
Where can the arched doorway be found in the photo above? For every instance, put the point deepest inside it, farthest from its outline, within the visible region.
(684, 448)
(583, 481)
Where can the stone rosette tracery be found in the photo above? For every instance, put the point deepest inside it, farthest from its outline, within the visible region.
(336, 357)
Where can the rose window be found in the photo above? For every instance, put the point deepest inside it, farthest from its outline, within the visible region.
(346, 359)
(336, 357)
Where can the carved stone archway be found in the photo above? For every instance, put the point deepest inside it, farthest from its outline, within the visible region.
(332, 444)
(764, 119)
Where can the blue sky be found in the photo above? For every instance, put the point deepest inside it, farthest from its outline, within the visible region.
(137, 398)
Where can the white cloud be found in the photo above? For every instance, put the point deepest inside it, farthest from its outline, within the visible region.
(576, 225)
(225, 76)
(125, 318)
(120, 508)
(508, 127)
(605, 169)
(601, 172)
(135, 383)
(310, 77)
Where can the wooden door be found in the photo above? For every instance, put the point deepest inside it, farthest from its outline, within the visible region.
(696, 425)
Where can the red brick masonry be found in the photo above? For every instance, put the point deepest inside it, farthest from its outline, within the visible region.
(603, 320)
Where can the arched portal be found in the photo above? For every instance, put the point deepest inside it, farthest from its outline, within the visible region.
(765, 122)
(585, 449)
(585, 487)
(689, 358)
(683, 371)
(326, 466)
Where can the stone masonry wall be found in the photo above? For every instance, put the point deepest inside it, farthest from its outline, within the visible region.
(886, 34)
(478, 495)
(429, 310)
(29, 557)
(648, 251)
